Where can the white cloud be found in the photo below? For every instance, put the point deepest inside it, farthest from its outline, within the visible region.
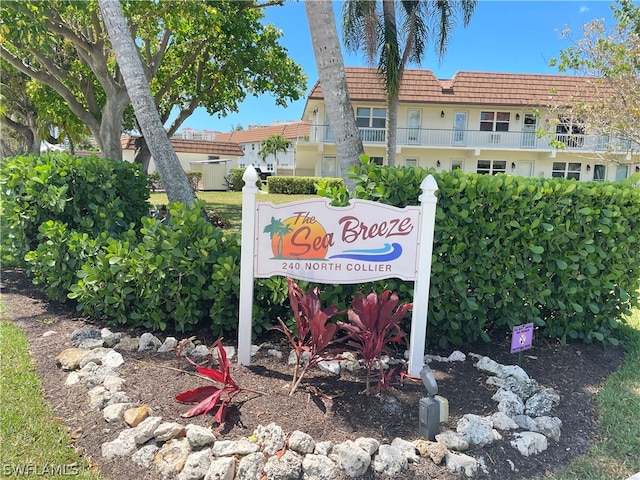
(584, 9)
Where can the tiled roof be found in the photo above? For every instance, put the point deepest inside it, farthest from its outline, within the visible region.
(287, 130)
(469, 88)
(192, 146)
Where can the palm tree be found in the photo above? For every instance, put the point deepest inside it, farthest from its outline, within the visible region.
(328, 55)
(171, 173)
(272, 145)
(277, 227)
(378, 35)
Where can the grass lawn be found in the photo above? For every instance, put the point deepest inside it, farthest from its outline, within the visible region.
(33, 443)
(617, 455)
(229, 204)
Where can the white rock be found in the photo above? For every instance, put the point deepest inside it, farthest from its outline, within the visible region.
(477, 430)
(286, 467)
(301, 442)
(323, 448)
(124, 444)
(407, 448)
(144, 456)
(143, 432)
(199, 436)
(502, 421)
(271, 438)
(549, 427)
(113, 383)
(196, 466)
(317, 467)
(529, 443)
(115, 412)
(368, 444)
(390, 461)
(452, 440)
(169, 344)
(250, 466)
(168, 430)
(224, 469)
(352, 459)
(224, 448)
(459, 462)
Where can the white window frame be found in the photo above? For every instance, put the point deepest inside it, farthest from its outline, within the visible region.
(568, 170)
(411, 162)
(495, 121)
(491, 167)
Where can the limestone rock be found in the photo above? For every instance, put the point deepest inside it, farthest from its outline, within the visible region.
(250, 466)
(224, 469)
(196, 466)
(271, 438)
(317, 467)
(301, 442)
(171, 458)
(144, 456)
(459, 462)
(369, 445)
(353, 460)
(390, 461)
(199, 436)
(529, 443)
(286, 467)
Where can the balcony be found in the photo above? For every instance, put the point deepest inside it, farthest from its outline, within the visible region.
(473, 139)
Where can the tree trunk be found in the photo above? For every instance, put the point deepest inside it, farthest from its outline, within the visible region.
(392, 130)
(142, 154)
(171, 173)
(328, 55)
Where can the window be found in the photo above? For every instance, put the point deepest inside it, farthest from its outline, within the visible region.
(410, 162)
(457, 164)
(599, 172)
(376, 160)
(570, 132)
(491, 166)
(566, 170)
(372, 123)
(214, 157)
(494, 121)
(622, 172)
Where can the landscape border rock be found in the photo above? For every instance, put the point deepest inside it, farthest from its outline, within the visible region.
(192, 452)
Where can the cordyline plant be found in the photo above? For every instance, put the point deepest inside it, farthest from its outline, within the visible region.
(314, 333)
(212, 396)
(374, 322)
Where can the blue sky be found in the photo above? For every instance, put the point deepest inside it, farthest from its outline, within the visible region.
(503, 36)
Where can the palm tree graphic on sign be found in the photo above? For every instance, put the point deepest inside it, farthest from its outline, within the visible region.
(279, 229)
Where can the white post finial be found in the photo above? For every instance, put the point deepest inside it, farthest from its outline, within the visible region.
(418, 338)
(247, 252)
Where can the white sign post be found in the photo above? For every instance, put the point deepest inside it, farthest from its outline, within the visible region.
(312, 240)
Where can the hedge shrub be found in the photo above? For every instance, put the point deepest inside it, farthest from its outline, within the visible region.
(87, 194)
(300, 185)
(184, 275)
(512, 250)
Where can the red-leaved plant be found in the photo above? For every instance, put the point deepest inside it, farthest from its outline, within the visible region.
(314, 333)
(212, 396)
(374, 322)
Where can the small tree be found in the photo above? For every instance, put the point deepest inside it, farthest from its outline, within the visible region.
(272, 145)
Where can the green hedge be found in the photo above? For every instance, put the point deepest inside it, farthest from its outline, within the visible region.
(87, 194)
(511, 250)
(183, 275)
(155, 184)
(300, 185)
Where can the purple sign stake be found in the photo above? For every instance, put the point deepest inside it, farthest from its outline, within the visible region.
(521, 339)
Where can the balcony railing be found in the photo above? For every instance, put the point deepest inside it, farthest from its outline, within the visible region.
(433, 138)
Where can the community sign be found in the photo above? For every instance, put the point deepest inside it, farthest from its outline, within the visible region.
(311, 240)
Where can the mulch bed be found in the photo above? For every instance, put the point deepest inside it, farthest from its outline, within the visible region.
(575, 371)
